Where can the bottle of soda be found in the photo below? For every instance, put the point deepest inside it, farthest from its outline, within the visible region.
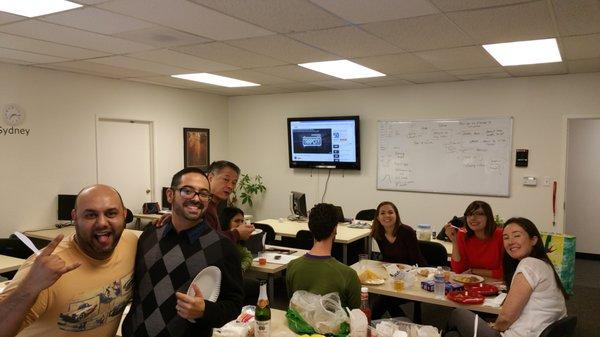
(262, 315)
(439, 283)
(364, 303)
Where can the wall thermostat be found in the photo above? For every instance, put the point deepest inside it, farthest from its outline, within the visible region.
(522, 158)
(530, 181)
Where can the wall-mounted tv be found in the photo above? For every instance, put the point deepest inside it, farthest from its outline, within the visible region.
(324, 142)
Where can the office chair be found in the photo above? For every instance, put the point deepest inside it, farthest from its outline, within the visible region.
(304, 239)
(434, 253)
(564, 327)
(270, 232)
(366, 214)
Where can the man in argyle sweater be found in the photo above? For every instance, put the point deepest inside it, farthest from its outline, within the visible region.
(168, 259)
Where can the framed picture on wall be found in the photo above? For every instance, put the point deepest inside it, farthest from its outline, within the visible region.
(196, 147)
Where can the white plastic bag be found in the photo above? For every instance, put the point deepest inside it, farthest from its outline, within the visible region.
(323, 313)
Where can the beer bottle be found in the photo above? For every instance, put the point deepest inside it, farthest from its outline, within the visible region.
(262, 315)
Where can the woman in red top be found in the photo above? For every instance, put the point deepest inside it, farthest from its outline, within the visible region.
(479, 248)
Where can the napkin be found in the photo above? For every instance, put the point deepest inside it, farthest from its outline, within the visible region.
(495, 301)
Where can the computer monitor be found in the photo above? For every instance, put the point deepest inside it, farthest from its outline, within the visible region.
(66, 203)
(298, 205)
(165, 204)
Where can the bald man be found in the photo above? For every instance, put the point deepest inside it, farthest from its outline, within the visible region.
(79, 285)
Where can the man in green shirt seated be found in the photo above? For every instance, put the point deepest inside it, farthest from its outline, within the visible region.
(318, 272)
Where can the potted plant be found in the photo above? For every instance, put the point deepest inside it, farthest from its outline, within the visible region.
(247, 188)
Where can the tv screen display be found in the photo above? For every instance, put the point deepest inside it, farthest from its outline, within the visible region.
(324, 142)
(66, 203)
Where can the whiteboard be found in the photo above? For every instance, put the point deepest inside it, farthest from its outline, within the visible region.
(460, 156)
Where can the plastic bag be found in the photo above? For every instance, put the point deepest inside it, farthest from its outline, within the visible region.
(297, 324)
(324, 313)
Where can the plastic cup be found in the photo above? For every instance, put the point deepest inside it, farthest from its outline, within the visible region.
(398, 283)
(262, 258)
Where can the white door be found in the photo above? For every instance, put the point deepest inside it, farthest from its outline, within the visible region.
(583, 183)
(124, 152)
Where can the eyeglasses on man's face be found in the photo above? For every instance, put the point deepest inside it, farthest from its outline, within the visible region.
(190, 193)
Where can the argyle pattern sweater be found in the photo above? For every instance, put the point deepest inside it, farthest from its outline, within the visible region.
(167, 262)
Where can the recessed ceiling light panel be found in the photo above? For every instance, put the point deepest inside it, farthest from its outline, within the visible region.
(33, 8)
(343, 69)
(216, 80)
(524, 52)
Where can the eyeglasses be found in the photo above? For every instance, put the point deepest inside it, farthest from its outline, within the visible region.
(190, 193)
(476, 214)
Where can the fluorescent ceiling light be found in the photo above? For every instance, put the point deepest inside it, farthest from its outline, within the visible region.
(32, 8)
(524, 52)
(343, 69)
(216, 80)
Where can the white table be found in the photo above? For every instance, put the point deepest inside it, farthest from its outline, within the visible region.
(345, 235)
(9, 263)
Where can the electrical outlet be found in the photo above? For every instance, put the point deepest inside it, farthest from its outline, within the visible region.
(547, 181)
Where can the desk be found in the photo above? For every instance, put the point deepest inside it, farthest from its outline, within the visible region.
(9, 263)
(416, 293)
(273, 269)
(345, 235)
(50, 233)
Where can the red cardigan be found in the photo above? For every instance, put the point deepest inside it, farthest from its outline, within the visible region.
(481, 254)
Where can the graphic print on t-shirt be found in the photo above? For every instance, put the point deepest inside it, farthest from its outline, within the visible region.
(97, 307)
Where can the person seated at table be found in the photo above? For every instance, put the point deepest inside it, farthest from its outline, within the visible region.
(536, 296)
(317, 271)
(232, 218)
(398, 244)
(477, 247)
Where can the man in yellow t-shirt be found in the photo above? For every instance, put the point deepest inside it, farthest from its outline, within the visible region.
(79, 285)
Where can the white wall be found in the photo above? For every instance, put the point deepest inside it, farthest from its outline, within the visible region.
(58, 156)
(258, 141)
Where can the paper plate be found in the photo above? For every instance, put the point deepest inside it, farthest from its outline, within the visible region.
(209, 282)
(484, 289)
(256, 231)
(374, 282)
(426, 271)
(467, 278)
(466, 297)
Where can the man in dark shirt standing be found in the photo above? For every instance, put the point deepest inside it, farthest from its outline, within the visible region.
(168, 259)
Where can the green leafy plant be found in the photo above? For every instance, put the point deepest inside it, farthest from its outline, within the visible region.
(498, 220)
(247, 188)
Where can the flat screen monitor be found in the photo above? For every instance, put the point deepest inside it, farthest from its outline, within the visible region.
(66, 203)
(324, 142)
(164, 202)
(298, 205)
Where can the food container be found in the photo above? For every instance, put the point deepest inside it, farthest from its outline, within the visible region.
(424, 232)
(429, 285)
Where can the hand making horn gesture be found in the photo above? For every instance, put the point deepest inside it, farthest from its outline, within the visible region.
(47, 268)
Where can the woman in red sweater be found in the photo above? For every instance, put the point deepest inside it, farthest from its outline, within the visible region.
(479, 247)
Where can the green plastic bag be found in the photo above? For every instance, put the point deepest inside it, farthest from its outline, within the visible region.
(297, 324)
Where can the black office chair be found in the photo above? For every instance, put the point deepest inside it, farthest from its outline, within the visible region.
(366, 214)
(128, 216)
(304, 239)
(270, 232)
(14, 247)
(434, 253)
(562, 328)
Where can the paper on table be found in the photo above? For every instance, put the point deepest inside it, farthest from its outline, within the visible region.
(281, 259)
(495, 301)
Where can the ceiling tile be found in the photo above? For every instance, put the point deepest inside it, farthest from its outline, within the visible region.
(187, 16)
(505, 24)
(459, 5)
(556, 68)
(46, 48)
(390, 83)
(295, 73)
(27, 56)
(96, 20)
(89, 2)
(584, 66)
(458, 58)
(340, 84)
(71, 36)
(420, 33)
(136, 64)
(480, 73)
(7, 18)
(347, 42)
(161, 37)
(299, 87)
(282, 16)
(174, 58)
(221, 52)
(252, 76)
(361, 11)
(283, 48)
(396, 64)
(166, 80)
(438, 76)
(97, 69)
(581, 47)
(576, 17)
